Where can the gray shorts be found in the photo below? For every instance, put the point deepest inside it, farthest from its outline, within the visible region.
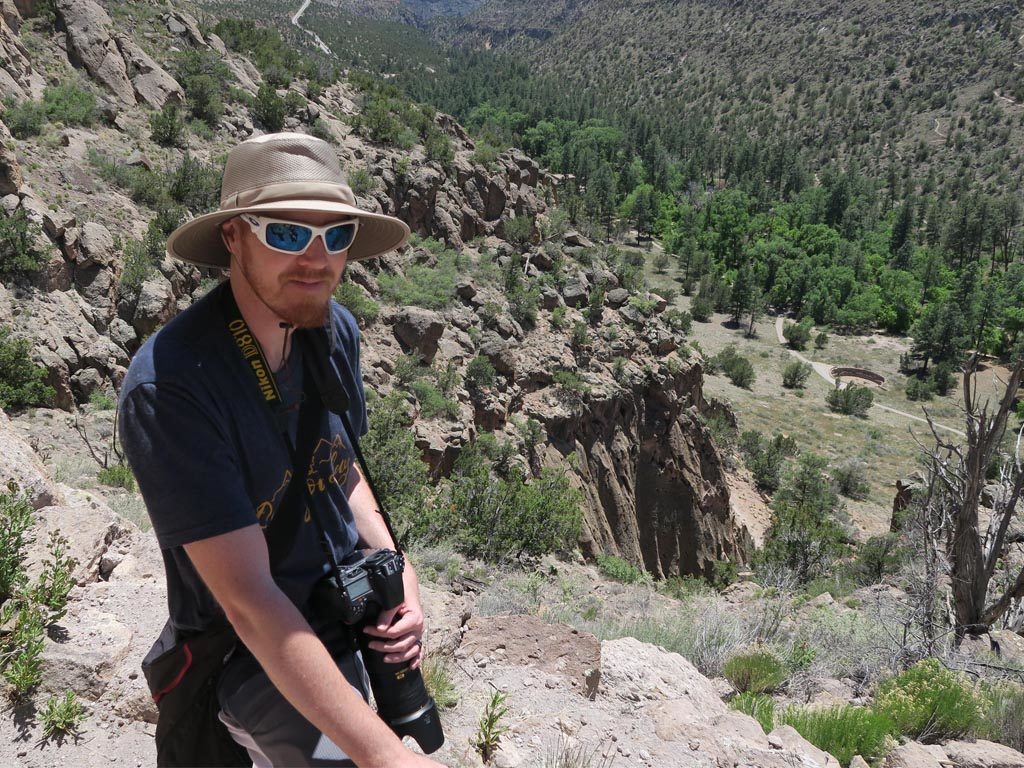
(271, 729)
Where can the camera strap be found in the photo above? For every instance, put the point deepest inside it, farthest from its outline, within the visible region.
(284, 527)
(335, 399)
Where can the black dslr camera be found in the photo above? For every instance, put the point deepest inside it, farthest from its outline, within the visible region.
(369, 582)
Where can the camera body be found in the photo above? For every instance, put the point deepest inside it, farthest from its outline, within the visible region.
(368, 582)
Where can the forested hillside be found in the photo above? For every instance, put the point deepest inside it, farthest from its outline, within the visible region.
(858, 167)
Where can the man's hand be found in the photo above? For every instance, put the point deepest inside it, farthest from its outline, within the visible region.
(401, 632)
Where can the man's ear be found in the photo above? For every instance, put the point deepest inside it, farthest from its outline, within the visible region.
(228, 233)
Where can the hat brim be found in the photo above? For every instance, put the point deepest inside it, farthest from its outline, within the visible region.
(198, 241)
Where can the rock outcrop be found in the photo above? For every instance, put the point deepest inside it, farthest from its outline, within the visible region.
(92, 45)
(654, 482)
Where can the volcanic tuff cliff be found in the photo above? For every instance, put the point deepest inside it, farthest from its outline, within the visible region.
(654, 485)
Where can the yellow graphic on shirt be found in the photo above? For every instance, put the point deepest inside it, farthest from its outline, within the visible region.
(328, 466)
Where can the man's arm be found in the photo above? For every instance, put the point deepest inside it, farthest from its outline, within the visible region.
(236, 568)
(401, 640)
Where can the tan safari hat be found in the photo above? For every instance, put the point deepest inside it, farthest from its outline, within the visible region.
(278, 174)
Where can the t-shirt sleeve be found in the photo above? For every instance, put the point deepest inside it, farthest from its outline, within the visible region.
(186, 467)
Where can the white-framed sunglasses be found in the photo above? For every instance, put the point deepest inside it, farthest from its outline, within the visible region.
(294, 237)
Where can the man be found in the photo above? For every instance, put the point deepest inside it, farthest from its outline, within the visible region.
(213, 459)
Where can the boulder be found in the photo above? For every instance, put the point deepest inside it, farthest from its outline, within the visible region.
(501, 353)
(572, 237)
(11, 179)
(617, 297)
(156, 305)
(91, 45)
(982, 754)
(20, 464)
(96, 245)
(575, 291)
(912, 755)
(419, 329)
(185, 26)
(151, 82)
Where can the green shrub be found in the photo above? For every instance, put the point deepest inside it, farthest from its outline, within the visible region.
(269, 108)
(204, 78)
(795, 375)
(929, 703)
(485, 154)
(480, 373)
(758, 706)
(821, 340)
(439, 148)
(852, 400)
(918, 389)
(19, 257)
(167, 127)
(580, 336)
(843, 731)
(519, 231)
(804, 536)
(117, 476)
(432, 287)
(797, 335)
(942, 380)
(69, 104)
(21, 380)
(500, 519)
(738, 368)
(701, 309)
(1002, 717)
(678, 320)
(432, 402)
(24, 118)
(195, 185)
(758, 671)
(356, 300)
(16, 516)
(878, 557)
(398, 468)
(21, 650)
(62, 716)
(851, 479)
(620, 570)
(141, 258)
(764, 458)
(570, 381)
(56, 579)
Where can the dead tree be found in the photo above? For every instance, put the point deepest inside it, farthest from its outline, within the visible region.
(959, 475)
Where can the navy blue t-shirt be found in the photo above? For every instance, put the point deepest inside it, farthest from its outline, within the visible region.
(209, 458)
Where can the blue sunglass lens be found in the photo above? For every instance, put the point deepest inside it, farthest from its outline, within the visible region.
(340, 237)
(288, 237)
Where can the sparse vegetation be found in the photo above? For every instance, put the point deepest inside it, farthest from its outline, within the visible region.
(930, 703)
(758, 671)
(62, 715)
(491, 727)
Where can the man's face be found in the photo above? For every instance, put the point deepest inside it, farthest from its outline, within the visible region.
(297, 287)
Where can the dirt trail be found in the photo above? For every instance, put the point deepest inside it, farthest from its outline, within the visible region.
(825, 371)
(295, 20)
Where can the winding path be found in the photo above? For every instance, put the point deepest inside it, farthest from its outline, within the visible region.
(316, 38)
(825, 371)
